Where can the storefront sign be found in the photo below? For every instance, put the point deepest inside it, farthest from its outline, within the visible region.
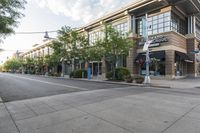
(154, 45)
(156, 41)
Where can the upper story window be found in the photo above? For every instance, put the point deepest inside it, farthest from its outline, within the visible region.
(95, 36)
(198, 31)
(156, 24)
(159, 23)
(178, 24)
(46, 51)
(122, 28)
(163, 22)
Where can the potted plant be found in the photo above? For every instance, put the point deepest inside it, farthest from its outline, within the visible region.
(139, 79)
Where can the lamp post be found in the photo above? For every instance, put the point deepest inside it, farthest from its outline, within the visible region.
(145, 29)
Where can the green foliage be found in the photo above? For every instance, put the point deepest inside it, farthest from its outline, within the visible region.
(10, 12)
(120, 74)
(78, 74)
(12, 65)
(129, 79)
(114, 44)
(138, 79)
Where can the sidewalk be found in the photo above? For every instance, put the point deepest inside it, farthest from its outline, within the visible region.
(120, 110)
(7, 124)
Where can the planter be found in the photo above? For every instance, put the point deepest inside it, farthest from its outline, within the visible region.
(129, 79)
(139, 79)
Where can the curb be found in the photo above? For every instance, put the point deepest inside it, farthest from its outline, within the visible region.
(110, 82)
(119, 83)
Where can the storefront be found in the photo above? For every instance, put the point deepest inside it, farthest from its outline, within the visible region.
(157, 63)
(181, 63)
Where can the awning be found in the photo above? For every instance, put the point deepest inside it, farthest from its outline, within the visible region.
(157, 54)
(182, 57)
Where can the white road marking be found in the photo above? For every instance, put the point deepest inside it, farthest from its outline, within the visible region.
(45, 82)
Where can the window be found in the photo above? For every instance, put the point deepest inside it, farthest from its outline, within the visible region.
(198, 31)
(178, 24)
(156, 24)
(121, 28)
(162, 23)
(94, 36)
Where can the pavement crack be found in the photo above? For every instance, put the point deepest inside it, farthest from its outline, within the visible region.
(180, 118)
(104, 120)
(11, 117)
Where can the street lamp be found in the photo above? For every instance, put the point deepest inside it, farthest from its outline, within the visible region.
(46, 36)
(146, 48)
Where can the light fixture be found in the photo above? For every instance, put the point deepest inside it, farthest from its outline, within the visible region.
(46, 35)
(126, 12)
(101, 22)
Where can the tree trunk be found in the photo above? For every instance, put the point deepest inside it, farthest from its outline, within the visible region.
(114, 66)
(63, 68)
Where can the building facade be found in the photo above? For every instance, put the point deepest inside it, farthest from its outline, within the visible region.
(39, 50)
(173, 27)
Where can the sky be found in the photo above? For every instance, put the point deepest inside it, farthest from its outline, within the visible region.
(51, 15)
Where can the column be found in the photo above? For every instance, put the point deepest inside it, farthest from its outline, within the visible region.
(169, 64)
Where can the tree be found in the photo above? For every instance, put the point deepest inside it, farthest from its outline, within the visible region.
(67, 46)
(114, 44)
(10, 12)
(39, 65)
(28, 65)
(12, 65)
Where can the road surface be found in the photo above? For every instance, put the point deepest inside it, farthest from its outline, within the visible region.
(17, 87)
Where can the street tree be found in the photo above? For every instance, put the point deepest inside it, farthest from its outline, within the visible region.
(114, 44)
(10, 13)
(61, 48)
(39, 65)
(68, 46)
(28, 65)
(12, 65)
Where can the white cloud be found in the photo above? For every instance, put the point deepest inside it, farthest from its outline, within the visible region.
(81, 10)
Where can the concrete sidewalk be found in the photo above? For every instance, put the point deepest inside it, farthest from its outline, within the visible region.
(120, 110)
(7, 124)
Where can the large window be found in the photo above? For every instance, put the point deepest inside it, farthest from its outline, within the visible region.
(156, 24)
(94, 36)
(178, 24)
(122, 28)
(198, 31)
(162, 23)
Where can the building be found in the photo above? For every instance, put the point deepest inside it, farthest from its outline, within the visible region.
(174, 27)
(38, 50)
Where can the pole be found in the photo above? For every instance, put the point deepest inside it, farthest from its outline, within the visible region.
(147, 77)
(63, 68)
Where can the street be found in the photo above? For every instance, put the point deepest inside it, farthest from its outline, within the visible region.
(18, 87)
(90, 107)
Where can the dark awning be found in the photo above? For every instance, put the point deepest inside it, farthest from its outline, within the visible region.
(157, 54)
(182, 57)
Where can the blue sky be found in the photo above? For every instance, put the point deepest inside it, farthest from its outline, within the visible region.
(47, 15)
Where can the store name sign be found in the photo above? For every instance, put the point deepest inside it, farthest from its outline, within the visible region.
(156, 41)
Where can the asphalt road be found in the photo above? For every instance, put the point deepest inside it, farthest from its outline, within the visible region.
(17, 87)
